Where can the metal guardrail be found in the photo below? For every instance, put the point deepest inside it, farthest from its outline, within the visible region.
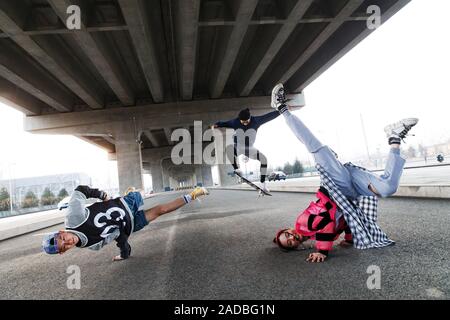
(419, 167)
(315, 173)
(22, 211)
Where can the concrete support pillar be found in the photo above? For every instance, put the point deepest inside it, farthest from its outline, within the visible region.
(165, 179)
(198, 176)
(129, 159)
(207, 176)
(173, 183)
(157, 178)
(225, 176)
(223, 138)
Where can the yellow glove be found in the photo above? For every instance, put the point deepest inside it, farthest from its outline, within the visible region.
(198, 192)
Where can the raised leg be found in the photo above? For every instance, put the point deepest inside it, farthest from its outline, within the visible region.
(165, 208)
(162, 209)
(387, 184)
(254, 153)
(232, 155)
(323, 155)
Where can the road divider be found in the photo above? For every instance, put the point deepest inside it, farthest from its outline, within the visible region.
(412, 191)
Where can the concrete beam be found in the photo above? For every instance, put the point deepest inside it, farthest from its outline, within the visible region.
(105, 145)
(63, 70)
(22, 71)
(89, 130)
(231, 47)
(254, 72)
(99, 54)
(152, 138)
(329, 30)
(301, 84)
(168, 133)
(187, 14)
(154, 155)
(19, 99)
(54, 30)
(172, 77)
(134, 12)
(82, 123)
(174, 114)
(229, 23)
(109, 138)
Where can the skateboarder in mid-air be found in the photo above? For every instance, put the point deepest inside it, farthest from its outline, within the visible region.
(352, 181)
(246, 127)
(97, 225)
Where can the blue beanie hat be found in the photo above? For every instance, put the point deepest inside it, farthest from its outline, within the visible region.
(49, 244)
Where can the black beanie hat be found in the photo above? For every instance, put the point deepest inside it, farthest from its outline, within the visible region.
(244, 114)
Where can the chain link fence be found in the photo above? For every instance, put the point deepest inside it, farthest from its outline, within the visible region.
(28, 195)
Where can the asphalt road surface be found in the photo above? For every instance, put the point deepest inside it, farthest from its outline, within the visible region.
(222, 248)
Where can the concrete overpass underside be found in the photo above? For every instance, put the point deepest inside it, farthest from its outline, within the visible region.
(137, 70)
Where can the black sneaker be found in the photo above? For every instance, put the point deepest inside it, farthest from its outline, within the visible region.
(279, 98)
(398, 131)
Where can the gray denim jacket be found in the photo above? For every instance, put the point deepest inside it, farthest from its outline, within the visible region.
(77, 214)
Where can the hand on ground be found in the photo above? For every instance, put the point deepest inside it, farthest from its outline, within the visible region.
(118, 258)
(316, 257)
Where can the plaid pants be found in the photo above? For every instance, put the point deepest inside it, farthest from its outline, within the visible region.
(360, 215)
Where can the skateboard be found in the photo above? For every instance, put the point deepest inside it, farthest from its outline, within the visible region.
(254, 186)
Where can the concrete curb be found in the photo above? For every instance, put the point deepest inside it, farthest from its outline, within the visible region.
(19, 225)
(409, 191)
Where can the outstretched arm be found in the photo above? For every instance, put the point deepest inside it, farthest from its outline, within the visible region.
(225, 124)
(266, 117)
(92, 193)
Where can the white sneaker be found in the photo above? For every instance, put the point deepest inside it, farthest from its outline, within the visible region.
(399, 130)
(278, 96)
(238, 172)
(264, 187)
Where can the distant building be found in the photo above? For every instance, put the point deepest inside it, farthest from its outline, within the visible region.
(442, 148)
(37, 185)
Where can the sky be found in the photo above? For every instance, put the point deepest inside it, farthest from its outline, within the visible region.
(401, 70)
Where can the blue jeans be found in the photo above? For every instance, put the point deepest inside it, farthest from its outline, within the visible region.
(352, 182)
(134, 201)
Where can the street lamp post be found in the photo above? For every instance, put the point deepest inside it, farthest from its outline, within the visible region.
(10, 189)
(10, 196)
(365, 137)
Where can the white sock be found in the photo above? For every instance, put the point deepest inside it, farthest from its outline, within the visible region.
(187, 198)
